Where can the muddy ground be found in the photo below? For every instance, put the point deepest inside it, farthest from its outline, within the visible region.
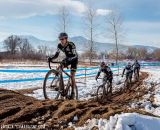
(17, 109)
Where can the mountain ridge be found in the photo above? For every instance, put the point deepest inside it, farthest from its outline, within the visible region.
(81, 44)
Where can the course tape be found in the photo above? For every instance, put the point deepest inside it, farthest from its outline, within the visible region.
(79, 69)
(39, 71)
(42, 71)
(37, 79)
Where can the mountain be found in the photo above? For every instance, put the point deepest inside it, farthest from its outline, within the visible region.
(149, 48)
(35, 42)
(81, 44)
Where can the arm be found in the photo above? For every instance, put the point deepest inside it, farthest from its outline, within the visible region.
(98, 74)
(73, 48)
(123, 71)
(56, 54)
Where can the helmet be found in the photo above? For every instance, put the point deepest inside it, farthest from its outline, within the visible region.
(102, 64)
(129, 63)
(63, 35)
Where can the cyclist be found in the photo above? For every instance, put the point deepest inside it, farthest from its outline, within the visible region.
(129, 71)
(108, 74)
(136, 67)
(71, 58)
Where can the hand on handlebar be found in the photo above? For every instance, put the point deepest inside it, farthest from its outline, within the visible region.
(49, 59)
(64, 62)
(96, 78)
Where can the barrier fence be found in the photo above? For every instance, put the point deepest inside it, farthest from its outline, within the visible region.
(84, 74)
(79, 75)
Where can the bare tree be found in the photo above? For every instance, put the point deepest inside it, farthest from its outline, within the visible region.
(156, 54)
(12, 44)
(142, 53)
(25, 48)
(90, 20)
(115, 25)
(86, 54)
(43, 49)
(114, 21)
(63, 20)
(132, 53)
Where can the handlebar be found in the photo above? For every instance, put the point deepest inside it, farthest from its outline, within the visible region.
(49, 63)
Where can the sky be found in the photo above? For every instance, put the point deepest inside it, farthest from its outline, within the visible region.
(40, 18)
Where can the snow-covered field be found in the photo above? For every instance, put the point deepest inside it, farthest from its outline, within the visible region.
(88, 86)
(124, 121)
(147, 103)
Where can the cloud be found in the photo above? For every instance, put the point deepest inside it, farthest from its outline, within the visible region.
(2, 17)
(103, 12)
(28, 8)
(142, 32)
(3, 35)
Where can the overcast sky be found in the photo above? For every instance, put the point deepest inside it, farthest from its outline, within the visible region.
(39, 18)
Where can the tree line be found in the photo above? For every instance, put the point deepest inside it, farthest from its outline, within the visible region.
(131, 53)
(20, 48)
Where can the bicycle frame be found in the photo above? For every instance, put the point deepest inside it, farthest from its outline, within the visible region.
(104, 84)
(60, 68)
(61, 71)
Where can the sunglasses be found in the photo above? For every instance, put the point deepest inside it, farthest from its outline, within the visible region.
(62, 39)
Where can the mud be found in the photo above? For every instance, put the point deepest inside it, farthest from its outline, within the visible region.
(16, 108)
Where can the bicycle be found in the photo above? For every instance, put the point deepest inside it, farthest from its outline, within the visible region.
(54, 86)
(103, 91)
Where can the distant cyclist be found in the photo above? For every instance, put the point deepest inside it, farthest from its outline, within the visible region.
(129, 71)
(136, 67)
(71, 58)
(108, 74)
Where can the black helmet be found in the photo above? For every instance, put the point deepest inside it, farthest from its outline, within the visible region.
(63, 35)
(129, 63)
(102, 64)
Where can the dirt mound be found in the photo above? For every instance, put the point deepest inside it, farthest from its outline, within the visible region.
(16, 108)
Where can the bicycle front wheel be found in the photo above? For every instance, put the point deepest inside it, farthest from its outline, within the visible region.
(101, 93)
(51, 85)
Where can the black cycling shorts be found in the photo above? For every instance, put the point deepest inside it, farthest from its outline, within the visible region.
(73, 64)
(108, 78)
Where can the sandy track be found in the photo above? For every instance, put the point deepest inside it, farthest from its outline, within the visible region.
(16, 108)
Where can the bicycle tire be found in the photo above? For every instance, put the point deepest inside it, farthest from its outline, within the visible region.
(46, 96)
(100, 97)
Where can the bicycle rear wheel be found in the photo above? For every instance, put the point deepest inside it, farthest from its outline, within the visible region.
(68, 90)
(51, 85)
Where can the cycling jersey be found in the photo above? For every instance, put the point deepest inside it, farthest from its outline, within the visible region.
(107, 71)
(71, 54)
(136, 65)
(69, 50)
(128, 69)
